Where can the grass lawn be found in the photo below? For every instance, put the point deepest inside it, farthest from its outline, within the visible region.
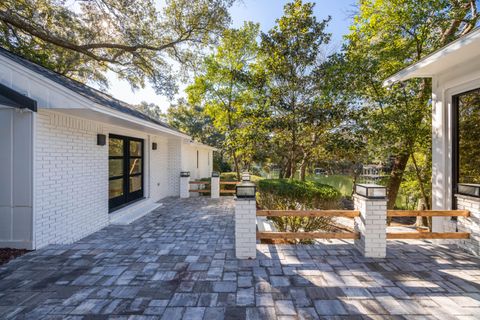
(342, 183)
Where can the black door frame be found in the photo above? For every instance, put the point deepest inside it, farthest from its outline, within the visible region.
(456, 144)
(127, 197)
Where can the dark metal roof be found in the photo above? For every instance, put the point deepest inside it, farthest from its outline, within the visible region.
(88, 92)
(12, 98)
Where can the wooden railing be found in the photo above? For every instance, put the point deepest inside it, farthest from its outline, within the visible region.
(428, 235)
(207, 183)
(227, 183)
(308, 235)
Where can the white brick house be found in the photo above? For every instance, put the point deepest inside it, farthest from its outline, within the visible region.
(58, 181)
(455, 74)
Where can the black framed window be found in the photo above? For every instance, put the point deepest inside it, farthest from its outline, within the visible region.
(125, 170)
(466, 138)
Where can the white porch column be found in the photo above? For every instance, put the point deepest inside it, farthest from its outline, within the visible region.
(371, 201)
(184, 184)
(469, 224)
(245, 228)
(215, 185)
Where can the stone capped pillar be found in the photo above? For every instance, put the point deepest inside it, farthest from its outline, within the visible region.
(469, 224)
(245, 228)
(184, 184)
(215, 185)
(371, 201)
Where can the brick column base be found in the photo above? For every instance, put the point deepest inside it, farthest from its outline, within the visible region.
(184, 187)
(372, 226)
(245, 228)
(469, 224)
(215, 187)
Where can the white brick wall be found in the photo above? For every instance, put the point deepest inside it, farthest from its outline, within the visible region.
(71, 179)
(245, 228)
(469, 224)
(71, 175)
(372, 226)
(174, 165)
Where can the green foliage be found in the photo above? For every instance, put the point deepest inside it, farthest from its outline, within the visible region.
(152, 110)
(300, 115)
(286, 194)
(192, 120)
(386, 36)
(223, 90)
(135, 39)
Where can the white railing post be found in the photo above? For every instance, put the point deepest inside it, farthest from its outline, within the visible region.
(371, 201)
(215, 185)
(184, 184)
(245, 221)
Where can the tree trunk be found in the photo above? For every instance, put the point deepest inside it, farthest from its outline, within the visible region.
(421, 221)
(396, 178)
(303, 169)
(426, 200)
(237, 167)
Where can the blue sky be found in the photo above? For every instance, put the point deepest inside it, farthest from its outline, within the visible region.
(264, 12)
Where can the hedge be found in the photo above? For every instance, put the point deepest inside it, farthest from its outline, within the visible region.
(286, 194)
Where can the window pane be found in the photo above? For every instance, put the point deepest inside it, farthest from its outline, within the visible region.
(115, 167)
(135, 149)
(135, 166)
(468, 137)
(115, 147)
(115, 188)
(135, 183)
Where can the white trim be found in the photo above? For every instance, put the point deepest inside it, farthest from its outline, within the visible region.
(34, 143)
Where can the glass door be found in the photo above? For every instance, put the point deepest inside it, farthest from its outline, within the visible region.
(125, 170)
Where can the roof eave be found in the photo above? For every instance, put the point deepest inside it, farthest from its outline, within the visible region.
(417, 70)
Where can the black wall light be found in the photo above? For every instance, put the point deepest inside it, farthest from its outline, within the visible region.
(101, 139)
(154, 146)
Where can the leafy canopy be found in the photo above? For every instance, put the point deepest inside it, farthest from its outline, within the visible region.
(135, 39)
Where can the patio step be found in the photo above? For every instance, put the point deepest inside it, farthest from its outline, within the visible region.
(129, 214)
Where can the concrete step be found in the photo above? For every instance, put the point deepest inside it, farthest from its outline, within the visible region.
(131, 213)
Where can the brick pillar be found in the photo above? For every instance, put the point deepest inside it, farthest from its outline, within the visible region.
(215, 186)
(245, 228)
(469, 224)
(184, 184)
(372, 225)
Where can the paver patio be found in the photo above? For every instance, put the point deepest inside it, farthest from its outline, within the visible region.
(178, 262)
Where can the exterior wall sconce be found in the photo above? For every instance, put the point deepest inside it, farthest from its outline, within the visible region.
(246, 190)
(101, 139)
(469, 189)
(154, 146)
(371, 191)
(185, 174)
(245, 176)
(215, 174)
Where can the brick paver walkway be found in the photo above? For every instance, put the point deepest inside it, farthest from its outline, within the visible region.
(178, 262)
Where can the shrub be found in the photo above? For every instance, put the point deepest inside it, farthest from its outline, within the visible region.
(284, 194)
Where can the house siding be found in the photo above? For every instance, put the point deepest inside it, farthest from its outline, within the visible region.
(71, 175)
(71, 179)
(460, 79)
